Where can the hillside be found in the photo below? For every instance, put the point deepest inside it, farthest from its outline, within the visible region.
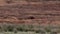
(23, 12)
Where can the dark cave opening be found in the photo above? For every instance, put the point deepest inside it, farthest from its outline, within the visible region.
(31, 17)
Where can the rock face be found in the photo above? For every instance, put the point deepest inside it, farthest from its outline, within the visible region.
(47, 12)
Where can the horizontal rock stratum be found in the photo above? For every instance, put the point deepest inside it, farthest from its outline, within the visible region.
(41, 13)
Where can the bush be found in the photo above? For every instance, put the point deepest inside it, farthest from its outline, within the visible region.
(20, 29)
(47, 29)
(39, 31)
(53, 33)
(10, 28)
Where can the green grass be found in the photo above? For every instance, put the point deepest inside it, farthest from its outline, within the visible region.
(26, 33)
(28, 29)
(18, 33)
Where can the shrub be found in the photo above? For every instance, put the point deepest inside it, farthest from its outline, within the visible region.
(37, 31)
(40, 31)
(47, 29)
(53, 33)
(20, 28)
(10, 28)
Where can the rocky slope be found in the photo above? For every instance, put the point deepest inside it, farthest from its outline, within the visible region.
(41, 13)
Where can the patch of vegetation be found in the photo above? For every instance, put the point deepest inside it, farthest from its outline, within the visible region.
(53, 33)
(48, 30)
(25, 28)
